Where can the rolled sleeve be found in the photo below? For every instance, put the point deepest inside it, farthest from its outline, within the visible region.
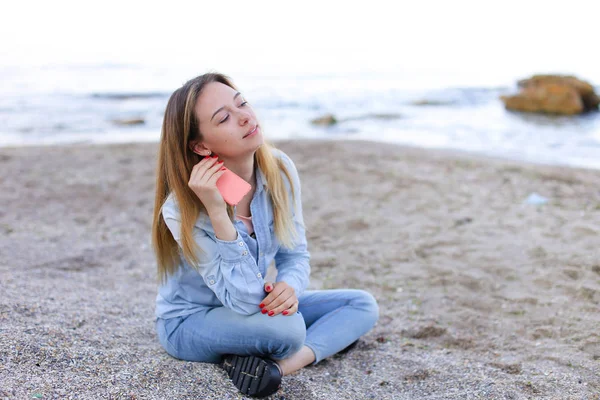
(295, 272)
(227, 268)
(293, 265)
(232, 250)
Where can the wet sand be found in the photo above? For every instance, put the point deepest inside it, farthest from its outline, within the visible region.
(481, 294)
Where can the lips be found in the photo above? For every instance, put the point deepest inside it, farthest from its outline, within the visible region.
(251, 130)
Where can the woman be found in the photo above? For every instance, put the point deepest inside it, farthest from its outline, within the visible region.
(214, 304)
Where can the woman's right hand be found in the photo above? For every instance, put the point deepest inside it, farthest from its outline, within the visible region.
(203, 182)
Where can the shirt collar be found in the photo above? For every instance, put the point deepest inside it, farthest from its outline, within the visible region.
(261, 181)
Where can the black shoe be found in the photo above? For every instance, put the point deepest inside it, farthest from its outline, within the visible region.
(252, 375)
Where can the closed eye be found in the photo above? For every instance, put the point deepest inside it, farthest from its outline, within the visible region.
(227, 117)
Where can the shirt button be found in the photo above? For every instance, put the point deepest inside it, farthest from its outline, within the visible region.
(261, 253)
(212, 282)
(244, 253)
(259, 275)
(241, 244)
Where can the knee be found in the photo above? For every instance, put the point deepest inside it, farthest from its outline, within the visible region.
(367, 302)
(287, 336)
(294, 334)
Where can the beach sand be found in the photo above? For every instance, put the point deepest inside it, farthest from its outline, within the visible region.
(481, 294)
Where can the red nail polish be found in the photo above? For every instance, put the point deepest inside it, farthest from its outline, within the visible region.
(285, 312)
(264, 311)
(220, 162)
(268, 287)
(271, 312)
(262, 305)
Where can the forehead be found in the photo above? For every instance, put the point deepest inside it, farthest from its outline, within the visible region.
(213, 96)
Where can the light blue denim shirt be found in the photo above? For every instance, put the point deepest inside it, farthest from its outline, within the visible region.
(231, 273)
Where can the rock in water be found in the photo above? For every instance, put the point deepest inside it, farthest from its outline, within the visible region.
(555, 94)
(326, 120)
(584, 89)
(131, 121)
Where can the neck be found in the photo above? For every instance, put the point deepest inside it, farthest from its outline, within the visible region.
(244, 168)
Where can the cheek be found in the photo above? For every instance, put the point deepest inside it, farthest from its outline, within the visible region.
(230, 135)
(223, 135)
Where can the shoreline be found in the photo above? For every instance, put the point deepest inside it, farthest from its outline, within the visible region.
(480, 293)
(445, 151)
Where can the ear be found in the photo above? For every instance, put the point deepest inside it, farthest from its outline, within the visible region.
(199, 148)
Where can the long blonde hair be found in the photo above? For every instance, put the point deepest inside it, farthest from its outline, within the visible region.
(175, 163)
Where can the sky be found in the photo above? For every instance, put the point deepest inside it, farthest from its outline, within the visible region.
(474, 37)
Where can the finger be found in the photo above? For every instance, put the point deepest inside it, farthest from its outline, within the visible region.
(213, 169)
(272, 293)
(200, 167)
(278, 304)
(206, 177)
(277, 290)
(268, 289)
(292, 310)
(218, 164)
(205, 161)
(213, 179)
(205, 172)
(290, 301)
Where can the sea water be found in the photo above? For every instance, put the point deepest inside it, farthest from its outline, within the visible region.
(80, 104)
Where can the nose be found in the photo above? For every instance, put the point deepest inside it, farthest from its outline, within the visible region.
(244, 117)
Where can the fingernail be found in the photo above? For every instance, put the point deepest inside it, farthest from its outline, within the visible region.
(285, 312)
(271, 312)
(268, 287)
(262, 305)
(222, 169)
(220, 162)
(264, 311)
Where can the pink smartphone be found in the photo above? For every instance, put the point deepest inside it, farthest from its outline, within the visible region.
(232, 187)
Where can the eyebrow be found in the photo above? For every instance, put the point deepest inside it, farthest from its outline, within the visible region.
(215, 113)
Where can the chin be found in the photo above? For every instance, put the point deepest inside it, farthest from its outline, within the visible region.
(259, 141)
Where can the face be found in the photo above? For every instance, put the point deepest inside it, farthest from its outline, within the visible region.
(225, 118)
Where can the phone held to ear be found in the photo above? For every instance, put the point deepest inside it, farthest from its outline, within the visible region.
(232, 187)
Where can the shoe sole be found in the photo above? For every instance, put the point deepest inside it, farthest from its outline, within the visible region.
(247, 373)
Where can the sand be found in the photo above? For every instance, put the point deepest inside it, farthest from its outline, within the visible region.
(481, 294)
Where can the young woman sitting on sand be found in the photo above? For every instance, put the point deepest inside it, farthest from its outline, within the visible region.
(214, 304)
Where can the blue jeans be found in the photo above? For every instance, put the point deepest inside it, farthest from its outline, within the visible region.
(327, 321)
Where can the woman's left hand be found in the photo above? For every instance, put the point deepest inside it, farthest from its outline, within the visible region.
(281, 299)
